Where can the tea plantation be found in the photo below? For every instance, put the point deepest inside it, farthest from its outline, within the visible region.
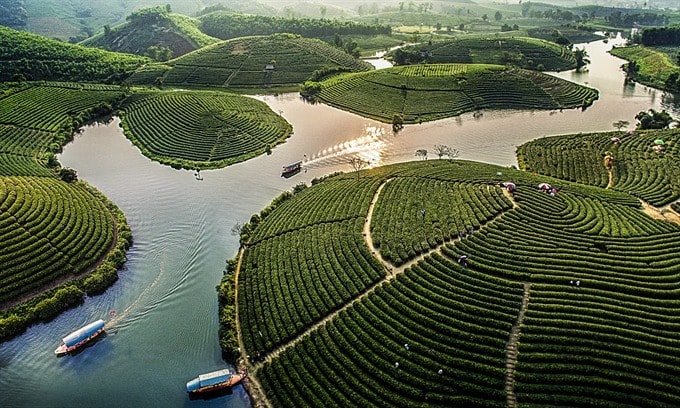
(61, 237)
(529, 53)
(201, 129)
(434, 91)
(564, 299)
(278, 60)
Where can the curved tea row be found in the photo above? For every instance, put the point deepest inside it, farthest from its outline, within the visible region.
(601, 318)
(644, 163)
(201, 129)
(51, 231)
(429, 92)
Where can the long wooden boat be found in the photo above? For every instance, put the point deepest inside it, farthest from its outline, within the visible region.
(214, 381)
(80, 337)
(291, 169)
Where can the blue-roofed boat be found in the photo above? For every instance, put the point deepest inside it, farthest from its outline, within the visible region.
(80, 337)
(214, 381)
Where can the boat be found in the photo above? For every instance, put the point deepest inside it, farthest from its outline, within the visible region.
(291, 169)
(80, 337)
(214, 381)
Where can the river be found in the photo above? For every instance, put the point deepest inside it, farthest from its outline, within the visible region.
(163, 310)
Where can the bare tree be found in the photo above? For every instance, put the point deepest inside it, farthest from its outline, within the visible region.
(620, 124)
(441, 150)
(357, 164)
(422, 153)
(452, 153)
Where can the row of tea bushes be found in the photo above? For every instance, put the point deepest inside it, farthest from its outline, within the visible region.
(434, 336)
(201, 129)
(408, 221)
(430, 92)
(645, 163)
(291, 281)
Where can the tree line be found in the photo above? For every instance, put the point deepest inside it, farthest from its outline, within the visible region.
(659, 36)
(226, 26)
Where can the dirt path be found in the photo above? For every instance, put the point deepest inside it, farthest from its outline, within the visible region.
(391, 272)
(611, 179)
(511, 350)
(664, 213)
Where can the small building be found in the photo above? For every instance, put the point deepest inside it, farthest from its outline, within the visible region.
(269, 67)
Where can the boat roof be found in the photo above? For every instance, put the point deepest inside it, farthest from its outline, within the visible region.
(83, 333)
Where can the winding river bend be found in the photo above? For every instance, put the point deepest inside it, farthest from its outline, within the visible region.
(164, 328)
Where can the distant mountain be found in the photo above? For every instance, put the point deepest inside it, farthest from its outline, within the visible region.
(12, 13)
(77, 20)
(26, 56)
(153, 32)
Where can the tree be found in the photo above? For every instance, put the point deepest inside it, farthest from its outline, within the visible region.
(498, 16)
(397, 122)
(358, 164)
(452, 153)
(422, 153)
(323, 11)
(620, 124)
(653, 119)
(485, 17)
(441, 150)
(581, 58)
(68, 175)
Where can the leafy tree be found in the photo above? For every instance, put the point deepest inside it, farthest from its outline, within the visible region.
(441, 150)
(581, 58)
(485, 17)
(68, 175)
(653, 119)
(498, 16)
(397, 122)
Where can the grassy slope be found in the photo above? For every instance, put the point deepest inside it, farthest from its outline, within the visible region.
(530, 52)
(36, 122)
(616, 326)
(40, 58)
(199, 130)
(177, 32)
(654, 66)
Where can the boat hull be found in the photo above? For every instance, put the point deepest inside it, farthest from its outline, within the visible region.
(80, 338)
(233, 380)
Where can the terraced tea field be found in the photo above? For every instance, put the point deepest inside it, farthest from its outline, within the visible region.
(51, 231)
(583, 277)
(201, 129)
(243, 62)
(430, 92)
(524, 52)
(641, 166)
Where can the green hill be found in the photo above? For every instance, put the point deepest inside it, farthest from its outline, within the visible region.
(154, 33)
(640, 166)
(33, 57)
(564, 300)
(280, 60)
(429, 92)
(198, 130)
(61, 238)
(529, 53)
